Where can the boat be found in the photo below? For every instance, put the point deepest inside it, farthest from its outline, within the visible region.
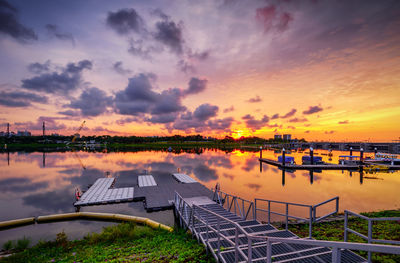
(288, 159)
(306, 159)
(349, 159)
(386, 158)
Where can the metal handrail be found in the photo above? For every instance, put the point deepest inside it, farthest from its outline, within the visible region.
(232, 200)
(335, 245)
(370, 224)
(312, 209)
(286, 215)
(315, 219)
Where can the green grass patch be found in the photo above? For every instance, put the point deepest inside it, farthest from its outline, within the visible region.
(334, 231)
(125, 242)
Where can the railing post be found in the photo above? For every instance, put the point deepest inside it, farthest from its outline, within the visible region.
(269, 212)
(219, 236)
(236, 244)
(243, 210)
(310, 222)
(369, 238)
(345, 225)
(269, 252)
(249, 250)
(207, 227)
(234, 203)
(337, 204)
(335, 255)
(287, 215)
(255, 210)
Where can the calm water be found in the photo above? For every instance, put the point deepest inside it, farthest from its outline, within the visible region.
(35, 184)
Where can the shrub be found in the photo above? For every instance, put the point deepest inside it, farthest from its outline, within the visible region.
(22, 244)
(8, 245)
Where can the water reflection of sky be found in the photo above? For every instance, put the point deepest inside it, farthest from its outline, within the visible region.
(36, 184)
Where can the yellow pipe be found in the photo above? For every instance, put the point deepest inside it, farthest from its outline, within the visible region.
(85, 215)
(17, 222)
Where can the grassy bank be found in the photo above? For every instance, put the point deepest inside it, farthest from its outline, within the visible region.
(333, 231)
(121, 243)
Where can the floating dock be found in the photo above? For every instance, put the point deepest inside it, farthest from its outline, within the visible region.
(156, 191)
(184, 178)
(146, 180)
(102, 193)
(311, 166)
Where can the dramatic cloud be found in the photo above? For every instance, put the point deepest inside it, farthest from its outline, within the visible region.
(125, 21)
(170, 34)
(92, 102)
(54, 31)
(289, 114)
(255, 99)
(9, 24)
(119, 68)
(196, 86)
(200, 120)
(39, 68)
(205, 112)
(254, 124)
(51, 124)
(343, 122)
(272, 19)
(139, 98)
(298, 120)
(275, 116)
(63, 82)
(312, 110)
(220, 124)
(72, 113)
(20, 98)
(230, 109)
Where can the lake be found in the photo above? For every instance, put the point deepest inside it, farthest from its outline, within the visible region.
(33, 184)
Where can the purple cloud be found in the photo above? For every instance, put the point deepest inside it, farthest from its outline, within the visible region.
(312, 110)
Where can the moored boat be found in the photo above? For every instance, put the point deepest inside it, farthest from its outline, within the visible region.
(306, 159)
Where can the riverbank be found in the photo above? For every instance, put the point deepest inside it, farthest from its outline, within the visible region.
(126, 242)
(334, 231)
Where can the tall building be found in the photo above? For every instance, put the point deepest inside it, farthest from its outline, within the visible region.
(287, 137)
(278, 137)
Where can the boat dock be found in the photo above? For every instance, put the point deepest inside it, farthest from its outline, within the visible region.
(155, 196)
(311, 166)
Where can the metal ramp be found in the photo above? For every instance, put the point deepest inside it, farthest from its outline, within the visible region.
(231, 237)
(146, 180)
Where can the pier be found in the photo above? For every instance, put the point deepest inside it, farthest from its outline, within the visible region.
(311, 166)
(154, 196)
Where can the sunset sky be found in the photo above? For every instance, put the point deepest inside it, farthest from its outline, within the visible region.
(319, 70)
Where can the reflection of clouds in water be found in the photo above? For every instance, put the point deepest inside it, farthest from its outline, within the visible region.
(204, 173)
(250, 164)
(163, 166)
(254, 187)
(229, 176)
(220, 161)
(198, 166)
(87, 177)
(21, 185)
(52, 201)
(316, 178)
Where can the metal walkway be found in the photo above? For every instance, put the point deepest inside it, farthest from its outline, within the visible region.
(231, 237)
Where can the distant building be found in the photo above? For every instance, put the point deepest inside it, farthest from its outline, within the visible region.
(278, 137)
(287, 137)
(3, 133)
(24, 133)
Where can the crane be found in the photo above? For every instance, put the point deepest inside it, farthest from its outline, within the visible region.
(78, 131)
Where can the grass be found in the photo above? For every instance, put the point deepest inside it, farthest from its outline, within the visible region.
(334, 231)
(125, 242)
